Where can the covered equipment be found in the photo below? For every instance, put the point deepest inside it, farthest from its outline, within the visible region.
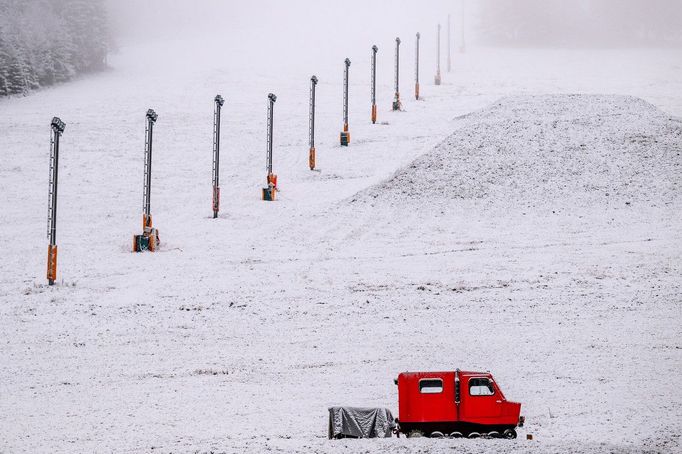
(353, 422)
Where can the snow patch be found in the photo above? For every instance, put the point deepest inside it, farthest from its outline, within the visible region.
(559, 150)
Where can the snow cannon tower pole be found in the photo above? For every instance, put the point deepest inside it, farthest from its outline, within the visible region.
(219, 102)
(149, 240)
(449, 52)
(58, 127)
(311, 124)
(345, 134)
(270, 191)
(375, 49)
(396, 98)
(416, 69)
(438, 78)
(463, 45)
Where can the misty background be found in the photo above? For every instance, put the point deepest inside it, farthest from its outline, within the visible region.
(592, 23)
(43, 42)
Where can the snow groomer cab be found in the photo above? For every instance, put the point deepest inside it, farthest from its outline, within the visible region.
(455, 404)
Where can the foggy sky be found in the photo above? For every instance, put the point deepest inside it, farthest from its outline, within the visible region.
(352, 22)
(309, 34)
(299, 34)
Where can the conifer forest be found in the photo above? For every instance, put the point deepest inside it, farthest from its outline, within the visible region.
(43, 42)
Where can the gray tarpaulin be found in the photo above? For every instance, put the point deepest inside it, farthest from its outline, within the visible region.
(360, 422)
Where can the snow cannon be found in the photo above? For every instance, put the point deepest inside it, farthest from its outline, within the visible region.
(463, 45)
(416, 69)
(396, 97)
(57, 129)
(345, 134)
(149, 240)
(438, 78)
(455, 405)
(219, 102)
(375, 49)
(311, 124)
(270, 191)
(449, 50)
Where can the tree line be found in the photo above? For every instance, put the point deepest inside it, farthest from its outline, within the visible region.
(43, 42)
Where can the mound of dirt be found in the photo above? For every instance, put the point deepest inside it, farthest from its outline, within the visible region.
(559, 150)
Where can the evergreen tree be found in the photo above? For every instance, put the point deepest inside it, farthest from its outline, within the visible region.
(43, 42)
(4, 62)
(4, 70)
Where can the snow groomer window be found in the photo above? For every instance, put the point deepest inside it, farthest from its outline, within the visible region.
(480, 387)
(431, 386)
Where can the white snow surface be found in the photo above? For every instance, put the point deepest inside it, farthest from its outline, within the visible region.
(564, 151)
(503, 223)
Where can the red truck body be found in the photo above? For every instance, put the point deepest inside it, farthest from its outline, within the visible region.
(459, 403)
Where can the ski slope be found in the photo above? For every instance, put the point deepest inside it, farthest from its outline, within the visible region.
(472, 230)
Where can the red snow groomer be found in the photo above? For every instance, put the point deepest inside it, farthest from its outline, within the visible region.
(455, 404)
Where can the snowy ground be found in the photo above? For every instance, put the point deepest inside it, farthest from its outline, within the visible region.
(498, 248)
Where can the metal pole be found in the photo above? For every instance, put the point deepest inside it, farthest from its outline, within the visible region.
(271, 116)
(396, 98)
(149, 239)
(219, 102)
(269, 192)
(54, 176)
(149, 136)
(397, 67)
(438, 78)
(463, 45)
(449, 41)
(58, 127)
(311, 126)
(148, 165)
(345, 134)
(375, 49)
(416, 69)
(345, 95)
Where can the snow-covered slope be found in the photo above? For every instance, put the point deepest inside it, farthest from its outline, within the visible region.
(542, 237)
(563, 151)
(241, 331)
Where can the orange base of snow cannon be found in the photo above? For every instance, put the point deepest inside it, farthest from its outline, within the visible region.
(51, 264)
(146, 221)
(311, 159)
(216, 201)
(269, 194)
(149, 240)
(345, 136)
(416, 92)
(397, 105)
(374, 113)
(272, 180)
